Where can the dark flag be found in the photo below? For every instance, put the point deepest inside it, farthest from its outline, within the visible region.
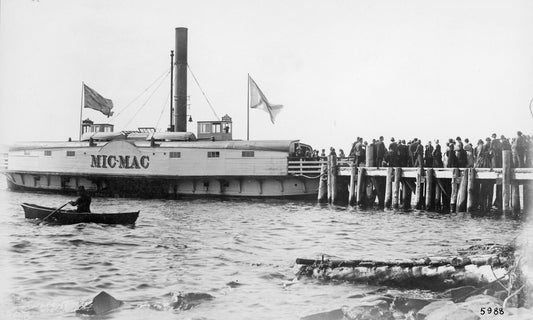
(93, 100)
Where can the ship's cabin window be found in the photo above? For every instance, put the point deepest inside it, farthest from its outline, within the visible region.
(47, 152)
(175, 154)
(205, 128)
(71, 153)
(248, 154)
(213, 154)
(217, 127)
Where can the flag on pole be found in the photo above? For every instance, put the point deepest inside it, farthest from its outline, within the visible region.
(94, 100)
(259, 101)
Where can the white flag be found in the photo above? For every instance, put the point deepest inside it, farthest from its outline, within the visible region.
(259, 101)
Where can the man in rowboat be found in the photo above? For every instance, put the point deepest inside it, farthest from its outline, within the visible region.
(83, 202)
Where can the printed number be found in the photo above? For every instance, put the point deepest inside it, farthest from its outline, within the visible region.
(495, 311)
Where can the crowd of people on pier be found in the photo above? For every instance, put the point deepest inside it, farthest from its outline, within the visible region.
(455, 153)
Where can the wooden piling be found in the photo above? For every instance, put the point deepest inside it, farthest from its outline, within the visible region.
(455, 189)
(516, 198)
(333, 176)
(388, 188)
(322, 184)
(419, 199)
(526, 189)
(463, 191)
(406, 195)
(353, 183)
(430, 190)
(396, 187)
(329, 179)
(471, 191)
(361, 190)
(438, 197)
(380, 191)
(506, 180)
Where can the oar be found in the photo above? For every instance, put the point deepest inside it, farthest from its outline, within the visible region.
(56, 210)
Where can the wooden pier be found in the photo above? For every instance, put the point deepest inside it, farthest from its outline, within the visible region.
(441, 189)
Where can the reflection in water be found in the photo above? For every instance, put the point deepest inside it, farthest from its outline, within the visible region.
(241, 252)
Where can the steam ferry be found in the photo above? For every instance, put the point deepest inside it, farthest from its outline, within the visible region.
(146, 163)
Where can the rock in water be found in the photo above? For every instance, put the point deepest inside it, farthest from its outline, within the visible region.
(101, 304)
(336, 314)
(190, 300)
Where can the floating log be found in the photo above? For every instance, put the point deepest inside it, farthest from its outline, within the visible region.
(322, 184)
(462, 193)
(388, 187)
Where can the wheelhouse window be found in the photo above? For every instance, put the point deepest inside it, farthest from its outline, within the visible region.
(248, 154)
(71, 153)
(175, 154)
(47, 152)
(205, 128)
(213, 154)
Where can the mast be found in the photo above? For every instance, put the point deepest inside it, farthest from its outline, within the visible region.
(180, 123)
(171, 128)
(81, 109)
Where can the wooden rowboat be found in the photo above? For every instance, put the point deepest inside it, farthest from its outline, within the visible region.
(33, 211)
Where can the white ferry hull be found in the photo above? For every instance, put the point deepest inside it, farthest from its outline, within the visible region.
(121, 168)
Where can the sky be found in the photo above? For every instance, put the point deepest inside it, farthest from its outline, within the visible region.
(342, 69)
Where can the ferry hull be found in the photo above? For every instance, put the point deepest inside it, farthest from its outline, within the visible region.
(166, 187)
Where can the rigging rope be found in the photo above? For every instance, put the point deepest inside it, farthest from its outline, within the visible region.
(167, 70)
(205, 96)
(163, 110)
(148, 99)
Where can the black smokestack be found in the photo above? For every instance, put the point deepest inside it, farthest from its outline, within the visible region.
(181, 81)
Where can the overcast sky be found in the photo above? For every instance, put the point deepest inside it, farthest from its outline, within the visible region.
(430, 69)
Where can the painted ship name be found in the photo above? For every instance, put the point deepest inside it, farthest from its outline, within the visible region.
(122, 162)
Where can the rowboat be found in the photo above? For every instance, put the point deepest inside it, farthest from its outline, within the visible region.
(33, 211)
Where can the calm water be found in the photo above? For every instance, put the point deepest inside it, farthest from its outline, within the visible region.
(201, 246)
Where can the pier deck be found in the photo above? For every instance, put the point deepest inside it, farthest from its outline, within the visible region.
(454, 189)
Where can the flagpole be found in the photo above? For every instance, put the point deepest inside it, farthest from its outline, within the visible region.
(248, 109)
(81, 110)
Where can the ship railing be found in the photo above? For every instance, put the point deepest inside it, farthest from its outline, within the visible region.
(307, 166)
